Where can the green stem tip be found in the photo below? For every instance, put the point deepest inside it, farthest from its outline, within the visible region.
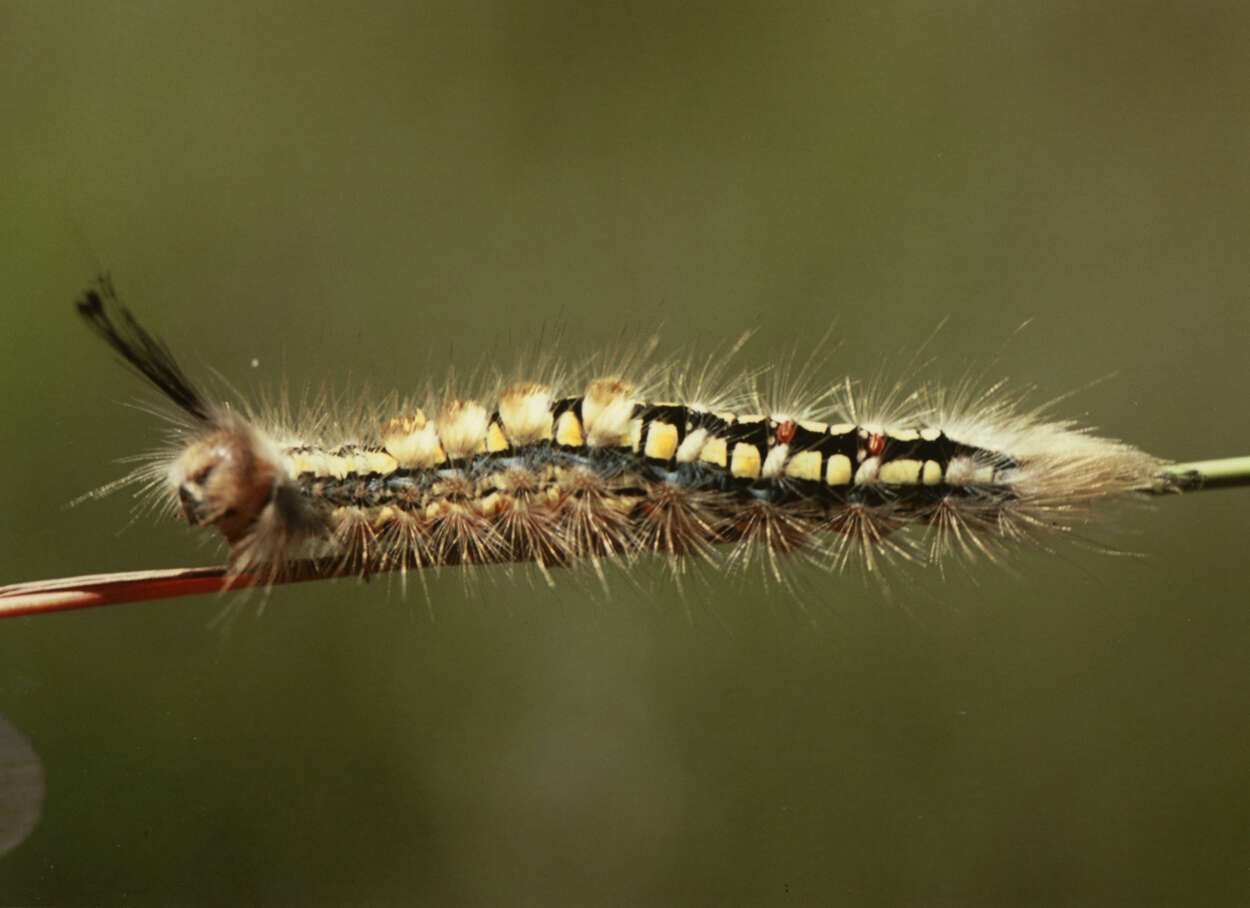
(1224, 473)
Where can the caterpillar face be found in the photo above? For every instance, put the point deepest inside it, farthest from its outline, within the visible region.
(223, 479)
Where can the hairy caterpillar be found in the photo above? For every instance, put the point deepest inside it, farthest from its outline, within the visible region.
(556, 477)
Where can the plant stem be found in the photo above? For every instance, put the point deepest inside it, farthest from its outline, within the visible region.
(1225, 473)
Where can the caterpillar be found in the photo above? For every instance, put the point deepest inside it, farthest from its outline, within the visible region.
(557, 477)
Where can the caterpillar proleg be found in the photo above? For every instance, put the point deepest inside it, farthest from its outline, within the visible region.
(559, 476)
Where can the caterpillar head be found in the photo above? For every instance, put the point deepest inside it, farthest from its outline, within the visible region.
(223, 479)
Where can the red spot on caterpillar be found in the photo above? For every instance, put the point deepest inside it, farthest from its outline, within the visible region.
(785, 431)
(876, 443)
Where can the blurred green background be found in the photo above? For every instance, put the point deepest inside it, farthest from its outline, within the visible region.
(374, 192)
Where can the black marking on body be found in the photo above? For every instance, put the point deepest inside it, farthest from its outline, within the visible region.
(563, 405)
(752, 432)
(673, 414)
(846, 443)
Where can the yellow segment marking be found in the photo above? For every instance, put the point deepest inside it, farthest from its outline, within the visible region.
(661, 441)
(377, 462)
(901, 472)
(804, 465)
(302, 462)
(932, 473)
(715, 452)
(336, 466)
(495, 439)
(838, 470)
(569, 430)
(746, 461)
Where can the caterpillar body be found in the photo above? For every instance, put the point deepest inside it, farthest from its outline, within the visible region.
(542, 476)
